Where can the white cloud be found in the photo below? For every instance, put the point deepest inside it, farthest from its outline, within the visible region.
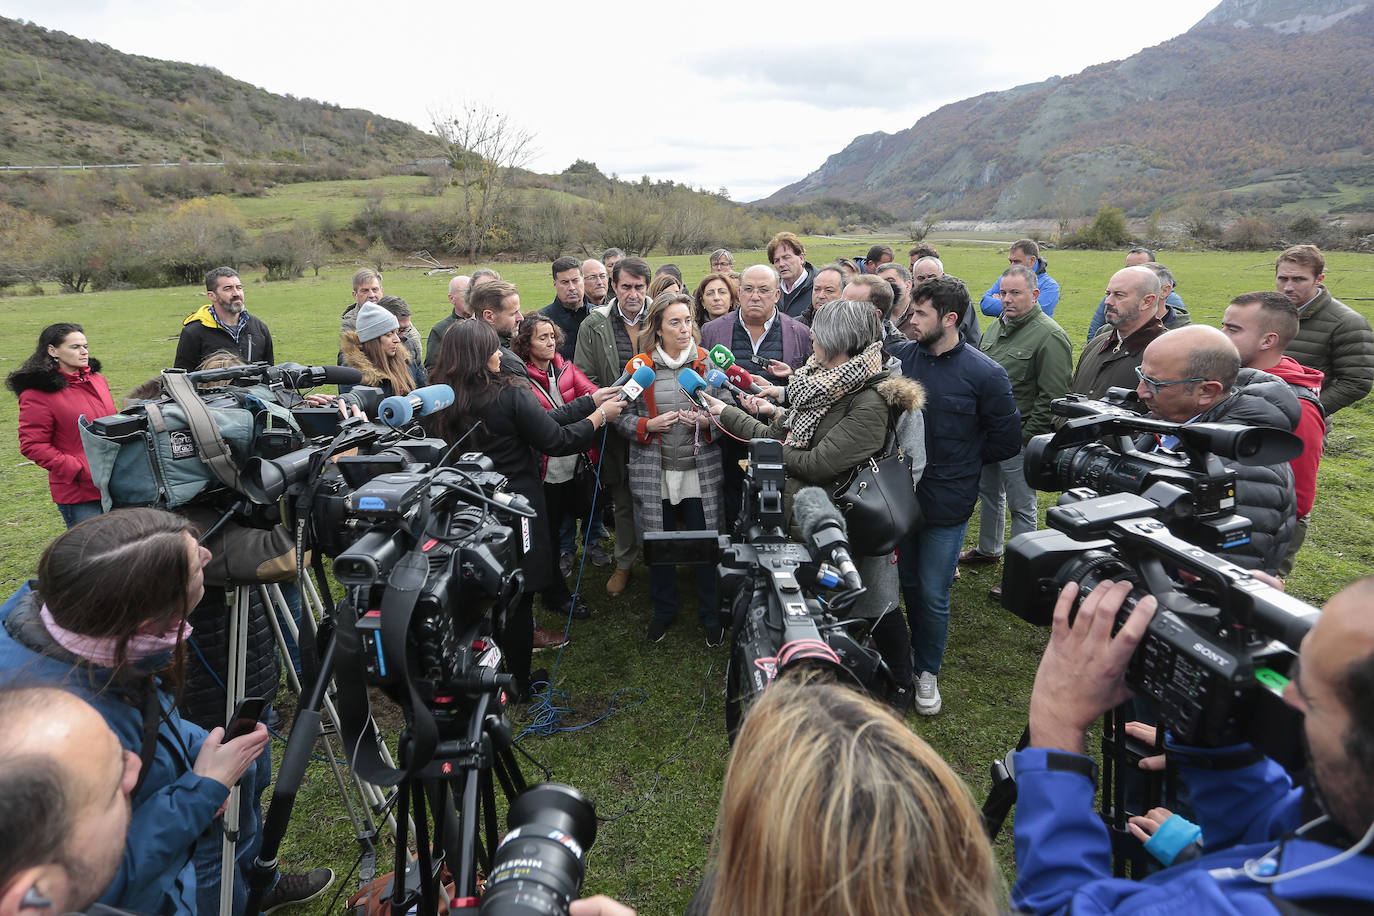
(748, 97)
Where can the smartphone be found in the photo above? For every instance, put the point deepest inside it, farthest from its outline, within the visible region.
(245, 718)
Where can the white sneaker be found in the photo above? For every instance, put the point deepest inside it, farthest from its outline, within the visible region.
(927, 695)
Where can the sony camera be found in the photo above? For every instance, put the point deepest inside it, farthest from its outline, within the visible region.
(1215, 658)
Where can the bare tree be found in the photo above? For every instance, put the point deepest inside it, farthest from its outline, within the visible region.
(483, 146)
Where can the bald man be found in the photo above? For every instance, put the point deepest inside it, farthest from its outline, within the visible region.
(1247, 806)
(458, 297)
(1110, 359)
(65, 782)
(1194, 375)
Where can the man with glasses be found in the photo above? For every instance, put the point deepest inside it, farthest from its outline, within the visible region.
(722, 262)
(1194, 375)
(1109, 360)
(766, 342)
(596, 281)
(930, 267)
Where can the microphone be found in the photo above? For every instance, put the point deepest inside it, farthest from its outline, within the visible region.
(294, 375)
(717, 379)
(693, 385)
(743, 379)
(721, 357)
(822, 526)
(398, 410)
(635, 364)
(644, 377)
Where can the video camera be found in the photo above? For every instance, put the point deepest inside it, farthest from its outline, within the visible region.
(1215, 657)
(770, 586)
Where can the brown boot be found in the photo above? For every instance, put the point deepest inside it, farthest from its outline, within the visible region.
(619, 581)
(548, 639)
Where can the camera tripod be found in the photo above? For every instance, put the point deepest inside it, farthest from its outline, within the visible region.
(1120, 756)
(460, 769)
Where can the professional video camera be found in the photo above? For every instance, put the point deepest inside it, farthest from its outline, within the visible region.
(1213, 658)
(770, 586)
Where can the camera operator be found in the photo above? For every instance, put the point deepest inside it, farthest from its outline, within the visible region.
(107, 616)
(1194, 374)
(65, 784)
(1255, 857)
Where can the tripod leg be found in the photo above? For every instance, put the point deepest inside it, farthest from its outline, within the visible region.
(235, 676)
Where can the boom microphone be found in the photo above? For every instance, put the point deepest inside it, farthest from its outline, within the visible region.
(721, 357)
(822, 526)
(294, 375)
(644, 377)
(398, 410)
(743, 380)
(693, 385)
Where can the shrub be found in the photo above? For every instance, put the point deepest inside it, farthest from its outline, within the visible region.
(1108, 230)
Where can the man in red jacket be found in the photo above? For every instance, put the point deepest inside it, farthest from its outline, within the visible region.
(1261, 325)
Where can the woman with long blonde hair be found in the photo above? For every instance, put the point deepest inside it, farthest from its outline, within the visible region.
(832, 805)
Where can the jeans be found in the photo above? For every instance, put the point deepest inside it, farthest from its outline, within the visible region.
(688, 515)
(209, 848)
(75, 513)
(1004, 484)
(926, 560)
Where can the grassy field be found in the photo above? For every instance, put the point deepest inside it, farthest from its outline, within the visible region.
(657, 754)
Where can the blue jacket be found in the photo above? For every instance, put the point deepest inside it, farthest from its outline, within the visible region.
(1176, 315)
(970, 420)
(1063, 856)
(173, 807)
(991, 303)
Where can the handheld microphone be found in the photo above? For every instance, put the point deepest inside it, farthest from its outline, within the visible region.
(636, 363)
(294, 375)
(743, 379)
(693, 385)
(721, 357)
(644, 377)
(717, 379)
(398, 410)
(822, 526)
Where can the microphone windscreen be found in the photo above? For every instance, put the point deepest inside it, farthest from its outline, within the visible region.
(432, 398)
(721, 356)
(739, 376)
(643, 378)
(337, 375)
(716, 379)
(812, 509)
(691, 382)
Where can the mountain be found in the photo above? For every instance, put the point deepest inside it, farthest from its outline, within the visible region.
(1263, 102)
(69, 101)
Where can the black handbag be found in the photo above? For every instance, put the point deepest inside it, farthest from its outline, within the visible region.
(879, 501)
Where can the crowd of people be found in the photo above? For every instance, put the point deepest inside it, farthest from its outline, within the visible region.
(840, 359)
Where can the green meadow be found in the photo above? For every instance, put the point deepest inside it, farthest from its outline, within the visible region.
(653, 750)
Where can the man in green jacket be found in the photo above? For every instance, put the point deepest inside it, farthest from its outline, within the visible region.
(1036, 353)
(1332, 337)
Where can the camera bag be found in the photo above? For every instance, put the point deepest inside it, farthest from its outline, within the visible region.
(879, 501)
(167, 453)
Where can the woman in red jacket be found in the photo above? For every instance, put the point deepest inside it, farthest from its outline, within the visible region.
(56, 385)
(555, 382)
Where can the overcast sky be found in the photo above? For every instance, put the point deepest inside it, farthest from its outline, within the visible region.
(745, 96)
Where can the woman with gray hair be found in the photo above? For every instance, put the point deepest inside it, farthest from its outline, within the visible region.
(842, 402)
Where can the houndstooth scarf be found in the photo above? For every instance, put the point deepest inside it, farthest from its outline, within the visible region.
(814, 388)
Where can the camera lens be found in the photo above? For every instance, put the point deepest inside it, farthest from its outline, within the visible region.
(539, 866)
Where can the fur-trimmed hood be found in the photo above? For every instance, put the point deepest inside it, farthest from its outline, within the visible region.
(352, 349)
(903, 393)
(45, 380)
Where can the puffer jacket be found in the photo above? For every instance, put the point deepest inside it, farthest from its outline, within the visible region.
(50, 402)
(1336, 340)
(348, 321)
(1264, 494)
(203, 700)
(351, 354)
(172, 808)
(572, 384)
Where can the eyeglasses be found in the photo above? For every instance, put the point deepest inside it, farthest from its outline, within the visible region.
(593, 277)
(760, 290)
(1155, 385)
